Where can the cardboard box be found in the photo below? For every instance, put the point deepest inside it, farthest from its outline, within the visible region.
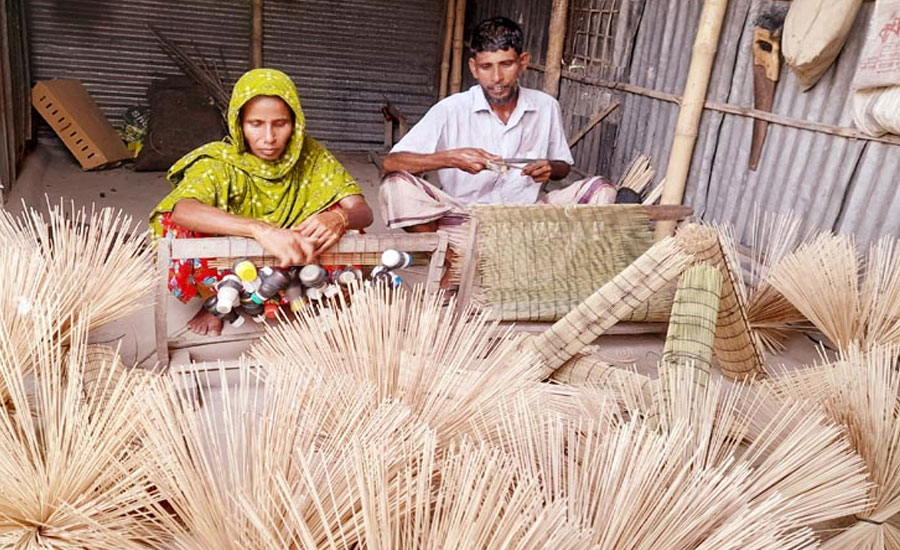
(79, 123)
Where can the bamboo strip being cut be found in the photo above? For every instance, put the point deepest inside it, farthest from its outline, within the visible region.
(736, 347)
(648, 274)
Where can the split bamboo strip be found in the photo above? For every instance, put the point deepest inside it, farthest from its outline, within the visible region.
(861, 392)
(586, 371)
(736, 348)
(482, 501)
(71, 266)
(771, 315)
(444, 364)
(459, 22)
(556, 37)
(692, 326)
(706, 44)
(654, 195)
(794, 452)
(269, 465)
(449, 16)
(649, 273)
(636, 487)
(639, 175)
(72, 474)
(880, 296)
(821, 279)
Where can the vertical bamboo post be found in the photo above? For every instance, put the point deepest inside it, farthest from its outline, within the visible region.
(704, 53)
(256, 34)
(448, 44)
(459, 25)
(555, 41)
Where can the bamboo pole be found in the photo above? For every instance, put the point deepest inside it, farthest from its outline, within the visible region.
(704, 53)
(459, 24)
(256, 34)
(556, 39)
(449, 20)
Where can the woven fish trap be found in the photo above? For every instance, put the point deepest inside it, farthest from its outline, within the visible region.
(736, 347)
(538, 262)
(692, 327)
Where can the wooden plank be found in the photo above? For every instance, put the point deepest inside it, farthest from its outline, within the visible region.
(160, 311)
(256, 34)
(197, 341)
(469, 265)
(668, 212)
(375, 159)
(236, 247)
(436, 267)
(595, 120)
(197, 367)
(623, 328)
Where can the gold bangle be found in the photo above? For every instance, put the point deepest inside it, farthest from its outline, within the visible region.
(344, 217)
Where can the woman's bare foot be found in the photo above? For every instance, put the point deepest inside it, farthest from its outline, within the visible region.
(204, 323)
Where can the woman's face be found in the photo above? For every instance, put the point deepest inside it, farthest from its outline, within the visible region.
(267, 123)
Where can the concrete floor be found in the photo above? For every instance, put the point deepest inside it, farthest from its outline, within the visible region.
(52, 172)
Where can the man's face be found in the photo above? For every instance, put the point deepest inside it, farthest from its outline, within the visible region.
(267, 125)
(498, 73)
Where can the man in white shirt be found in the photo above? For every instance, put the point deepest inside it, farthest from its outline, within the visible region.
(495, 143)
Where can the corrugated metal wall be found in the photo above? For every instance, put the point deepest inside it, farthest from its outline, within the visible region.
(346, 55)
(835, 183)
(15, 97)
(108, 46)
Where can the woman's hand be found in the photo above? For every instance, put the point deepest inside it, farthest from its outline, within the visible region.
(324, 229)
(289, 247)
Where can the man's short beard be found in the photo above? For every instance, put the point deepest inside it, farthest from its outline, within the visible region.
(513, 95)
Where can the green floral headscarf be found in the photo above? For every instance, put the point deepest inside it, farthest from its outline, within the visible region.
(303, 181)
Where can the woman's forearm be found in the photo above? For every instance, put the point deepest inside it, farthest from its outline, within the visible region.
(196, 216)
(359, 215)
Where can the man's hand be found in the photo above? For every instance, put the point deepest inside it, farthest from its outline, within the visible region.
(539, 171)
(289, 247)
(472, 160)
(324, 229)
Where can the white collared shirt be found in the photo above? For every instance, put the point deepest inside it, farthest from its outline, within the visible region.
(534, 130)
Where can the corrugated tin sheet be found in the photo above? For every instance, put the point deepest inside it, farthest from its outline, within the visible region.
(15, 99)
(532, 15)
(348, 57)
(108, 47)
(835, 183)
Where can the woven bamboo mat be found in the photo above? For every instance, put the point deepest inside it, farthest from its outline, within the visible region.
(538, 262)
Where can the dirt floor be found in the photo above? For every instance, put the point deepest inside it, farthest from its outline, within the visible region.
(51, 174)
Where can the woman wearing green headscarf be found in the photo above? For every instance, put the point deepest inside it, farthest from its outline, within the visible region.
(268, 180)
